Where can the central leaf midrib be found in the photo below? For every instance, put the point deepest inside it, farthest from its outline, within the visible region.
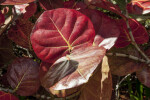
(69, 46)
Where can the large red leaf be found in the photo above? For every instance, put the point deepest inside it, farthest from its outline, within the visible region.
(139, 7)
(23, 76)
(123, 65)
(58, 31)
(99, 86)
(51, 4)
(87, 60)
(20, 33)
(15, 2)
(106, 29)
(7, 96)
(139, 33)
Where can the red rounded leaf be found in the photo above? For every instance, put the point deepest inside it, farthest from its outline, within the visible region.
(7, 96)
(23, 76)
(15, 2)
(139, 33)
(139, 7)
(58, 31)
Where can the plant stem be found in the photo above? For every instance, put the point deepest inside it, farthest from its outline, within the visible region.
(133, 40)
(128, 56)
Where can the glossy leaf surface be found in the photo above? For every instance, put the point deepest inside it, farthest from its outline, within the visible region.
(88, 59)
(14, 2)
(58, 72)
(7, 96)
(104, 37)
(139, 33)
(58, 31)
(20, 33)
(99, 86)
(23, 76)
(51, 4)
(139, 7)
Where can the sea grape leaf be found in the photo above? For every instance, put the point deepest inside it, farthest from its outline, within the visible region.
(15, 2)
(23, 76)
(139, 7)
(101, 23)
(7, 96)
(6, 50)
(105, 5)
(88, 59)
(2, 19)
(59, 31)
(99, 86)
(20, 33)
(51, 4)
(75, 5)
(144, 75)
(139, 33)
(123, 65)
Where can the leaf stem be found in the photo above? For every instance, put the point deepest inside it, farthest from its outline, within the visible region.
(133, 40)
(128, 56)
